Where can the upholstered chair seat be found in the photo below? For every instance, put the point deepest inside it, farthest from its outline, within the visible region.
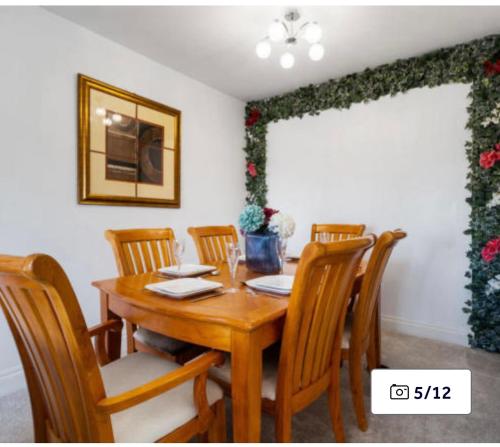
(149, 421)
(159, 342)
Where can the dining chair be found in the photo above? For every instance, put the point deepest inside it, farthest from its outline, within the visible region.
(139, 398)
(211, 242)
(338, 232)
(359, 337)
(309, 360)
(142, 250)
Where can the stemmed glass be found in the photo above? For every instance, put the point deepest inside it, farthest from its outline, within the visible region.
(324, 237)
(233, 255)
(282, 243)
(179, 246)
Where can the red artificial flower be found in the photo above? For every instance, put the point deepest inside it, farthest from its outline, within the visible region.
(491, 249)
(497, 147)
(488, 158)
(252, 170)
(491, 68)
(252, 117)
(268, 213)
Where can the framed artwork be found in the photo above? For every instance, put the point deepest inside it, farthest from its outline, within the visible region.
(129, 148)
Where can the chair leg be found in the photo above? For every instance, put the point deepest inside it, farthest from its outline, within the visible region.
(283, 425)
(356, 381)
(217, 430)
(335, 407)
(131, 328)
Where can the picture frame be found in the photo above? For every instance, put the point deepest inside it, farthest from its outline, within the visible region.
(129, 148)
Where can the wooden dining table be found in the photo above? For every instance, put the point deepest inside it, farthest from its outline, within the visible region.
(243, 323)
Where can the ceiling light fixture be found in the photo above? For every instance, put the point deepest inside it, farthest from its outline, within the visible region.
(290, 33)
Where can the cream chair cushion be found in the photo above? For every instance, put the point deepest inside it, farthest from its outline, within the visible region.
(269, 371)
(155, 418)
(159, 342)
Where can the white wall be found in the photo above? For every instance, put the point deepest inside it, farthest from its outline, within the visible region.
(41, 56)
(396, 162)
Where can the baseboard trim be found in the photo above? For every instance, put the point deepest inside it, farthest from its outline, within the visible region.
(11, 379)
(423, 330)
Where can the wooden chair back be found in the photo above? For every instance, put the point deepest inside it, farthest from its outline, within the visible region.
(314, 324)
(338, 232)
(55, 348)
(142, 250)
(211, 242)
(364, 312)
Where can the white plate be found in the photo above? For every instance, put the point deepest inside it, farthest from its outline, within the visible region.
(187, 270)
(184, 287)
(273, 283)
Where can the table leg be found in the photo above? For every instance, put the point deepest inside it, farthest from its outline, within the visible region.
(246, 367)
(113, 339)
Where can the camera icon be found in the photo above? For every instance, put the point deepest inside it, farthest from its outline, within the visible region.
(400, 392)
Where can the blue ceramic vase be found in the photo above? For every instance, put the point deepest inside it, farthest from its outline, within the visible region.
(262, 252)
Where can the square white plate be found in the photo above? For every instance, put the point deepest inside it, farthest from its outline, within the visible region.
(273, 283)
(184, 287)
(187, 270)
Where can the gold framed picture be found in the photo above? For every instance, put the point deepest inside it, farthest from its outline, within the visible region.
(129, 148)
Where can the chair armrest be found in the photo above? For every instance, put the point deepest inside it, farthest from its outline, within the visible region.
(99, 331)
(110, 325)
(197, 367)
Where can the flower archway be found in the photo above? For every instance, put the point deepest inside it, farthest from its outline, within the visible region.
(476, 63)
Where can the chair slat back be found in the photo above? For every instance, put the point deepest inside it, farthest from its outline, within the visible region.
(316, 313)
(55, 348)
(337, 232)
(211, 242)
(364, 312)
(142, 250)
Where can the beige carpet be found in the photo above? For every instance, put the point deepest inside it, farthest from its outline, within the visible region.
(313, 425)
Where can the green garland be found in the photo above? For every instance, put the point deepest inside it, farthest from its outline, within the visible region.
(463, 63)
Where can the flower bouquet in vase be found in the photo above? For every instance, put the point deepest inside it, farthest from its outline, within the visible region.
(266, 233)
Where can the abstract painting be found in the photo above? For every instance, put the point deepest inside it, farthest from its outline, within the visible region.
(129, 148)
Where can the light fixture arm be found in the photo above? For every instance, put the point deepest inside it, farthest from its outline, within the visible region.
(302, 27)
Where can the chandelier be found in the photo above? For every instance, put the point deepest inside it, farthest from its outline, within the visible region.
(289, 32)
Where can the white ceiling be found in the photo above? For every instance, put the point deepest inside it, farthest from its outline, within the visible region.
(216, 44)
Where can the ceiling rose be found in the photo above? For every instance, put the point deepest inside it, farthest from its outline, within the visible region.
(288, 32)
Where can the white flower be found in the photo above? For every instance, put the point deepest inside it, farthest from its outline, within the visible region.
(493, 284)
(493, 118)
(495, 200)
(282, 224)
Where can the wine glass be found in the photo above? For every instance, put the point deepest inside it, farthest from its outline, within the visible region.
(233, 255)
(324, 237)
(179, 246)
(282, 243)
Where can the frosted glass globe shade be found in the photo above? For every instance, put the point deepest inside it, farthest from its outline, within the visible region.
(287, 60)
(263, 49)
